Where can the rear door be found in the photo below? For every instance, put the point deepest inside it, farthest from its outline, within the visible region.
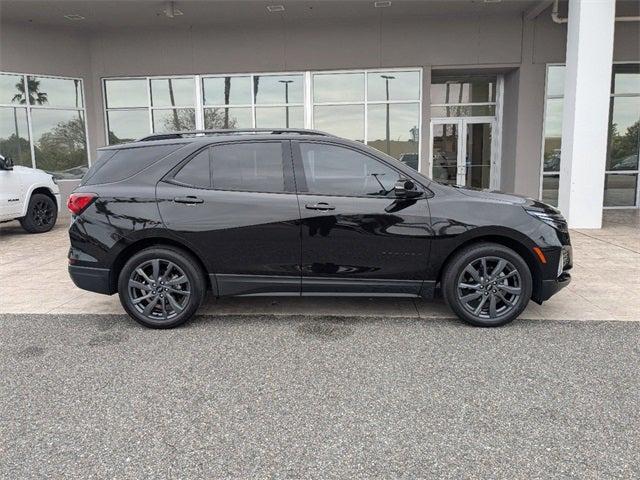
(236, 204)
(357, 237)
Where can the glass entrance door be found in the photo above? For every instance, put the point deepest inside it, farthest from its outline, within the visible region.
(461, 151)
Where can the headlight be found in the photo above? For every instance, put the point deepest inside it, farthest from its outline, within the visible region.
(555, 220)
(54, 180)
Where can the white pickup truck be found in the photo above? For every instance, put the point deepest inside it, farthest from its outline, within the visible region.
(28, 195)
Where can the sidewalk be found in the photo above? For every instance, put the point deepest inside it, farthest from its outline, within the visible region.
(605, 286)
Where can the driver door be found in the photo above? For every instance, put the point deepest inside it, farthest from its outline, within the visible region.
(357, 237)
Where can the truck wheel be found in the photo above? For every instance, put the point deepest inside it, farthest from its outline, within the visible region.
(487, 285)
(42, 214)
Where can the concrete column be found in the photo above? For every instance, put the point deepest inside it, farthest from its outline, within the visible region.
(586, 111)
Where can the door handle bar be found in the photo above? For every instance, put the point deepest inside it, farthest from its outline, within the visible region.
(189, 200)
(319, 206)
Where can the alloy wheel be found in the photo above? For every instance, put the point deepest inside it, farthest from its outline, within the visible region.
(42, 213)
(159, 289)
(489, 287)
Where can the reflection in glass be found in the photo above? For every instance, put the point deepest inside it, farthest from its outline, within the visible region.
(552, 134)
(227, 117)
(126, 93)
(12, 89)
(55, 92)
(278, 89)
(226, 91)
(445, 153)
(173, 119)
(343, 120)
(14, 135)
(279, 117)
(127, 125)
(382, 86)
(338, 87)
(463, 111)
(624, 133)
(478, 155)
(555, 80)
(620, 190)
(550, 184)
(626, 78)
(470, 89)
(60, 142)
(172, 92)
(393, 129)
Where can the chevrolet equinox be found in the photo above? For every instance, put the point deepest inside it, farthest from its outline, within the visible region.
(163, 220)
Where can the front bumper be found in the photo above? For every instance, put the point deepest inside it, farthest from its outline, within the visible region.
(92, 279)
(551, 287)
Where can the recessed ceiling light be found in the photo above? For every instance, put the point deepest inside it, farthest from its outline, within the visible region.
(74, 16)
(382, 4)
(275, 8)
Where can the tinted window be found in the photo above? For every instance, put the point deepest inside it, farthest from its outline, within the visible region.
(128, 162)
(332, 170)
(248, 166)
(196, 171)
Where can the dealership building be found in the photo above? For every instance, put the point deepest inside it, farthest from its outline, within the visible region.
(540, 98)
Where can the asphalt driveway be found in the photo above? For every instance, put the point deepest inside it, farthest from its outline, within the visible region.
(317, 397)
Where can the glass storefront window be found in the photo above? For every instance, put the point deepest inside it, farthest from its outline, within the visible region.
(468, 89)
(14, 135)
(552, 135)
(464, 111)
(555, 80)
(227, 117)
(228, 90)
(126, 93)
(42, 123)
(401, 86)
(620, 189)
(624, 133)
(288, 117)
(550, 185)
(12, 89)
(59, 142)
(278, 89)
(343, 120)
(394, 130)
(174, 119)
(338, 87)
(127, 125)
(172, 92)
(626, 79)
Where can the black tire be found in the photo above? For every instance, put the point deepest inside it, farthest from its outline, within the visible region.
(167, 291)
(487, 301)
(42, 214)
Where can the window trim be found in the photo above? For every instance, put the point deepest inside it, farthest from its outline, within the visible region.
(28, 107)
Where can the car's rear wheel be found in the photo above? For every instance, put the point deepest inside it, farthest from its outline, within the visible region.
(487, 285)
(161, 287)
(42, 213)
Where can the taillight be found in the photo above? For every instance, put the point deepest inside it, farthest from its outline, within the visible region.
(77, 202)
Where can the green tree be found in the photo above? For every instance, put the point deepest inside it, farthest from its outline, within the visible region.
(34, 95)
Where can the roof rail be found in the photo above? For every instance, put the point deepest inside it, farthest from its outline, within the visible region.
(194, 133)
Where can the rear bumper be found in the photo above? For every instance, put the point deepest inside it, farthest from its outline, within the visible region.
(551, 287)
(91, 278)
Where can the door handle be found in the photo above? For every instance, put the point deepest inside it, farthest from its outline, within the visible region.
(188, 199)
(319, 206)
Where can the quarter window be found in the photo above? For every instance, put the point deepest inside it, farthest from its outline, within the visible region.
(333, 170)
(255, 167)
(196, 171)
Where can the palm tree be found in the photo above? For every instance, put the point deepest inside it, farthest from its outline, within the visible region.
(35, 96)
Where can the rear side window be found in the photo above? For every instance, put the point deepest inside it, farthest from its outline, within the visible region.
(196, 171)
(127, 162)
(255, 167)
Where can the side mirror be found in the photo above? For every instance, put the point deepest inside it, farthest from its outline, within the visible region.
(405, 189)
(6, 163)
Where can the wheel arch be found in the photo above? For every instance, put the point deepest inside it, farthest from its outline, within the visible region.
(506, 240)
(131, 249)
(44, 190)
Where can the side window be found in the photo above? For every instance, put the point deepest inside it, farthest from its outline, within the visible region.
(334, 170)
(196, 171)
(255, 167)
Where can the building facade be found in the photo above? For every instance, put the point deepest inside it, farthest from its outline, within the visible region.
(466, 92)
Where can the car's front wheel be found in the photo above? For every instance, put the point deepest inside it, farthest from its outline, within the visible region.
(487, 284)
(161, 287)
(42, 213)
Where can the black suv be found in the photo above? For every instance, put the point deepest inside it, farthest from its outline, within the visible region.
(300, 212)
